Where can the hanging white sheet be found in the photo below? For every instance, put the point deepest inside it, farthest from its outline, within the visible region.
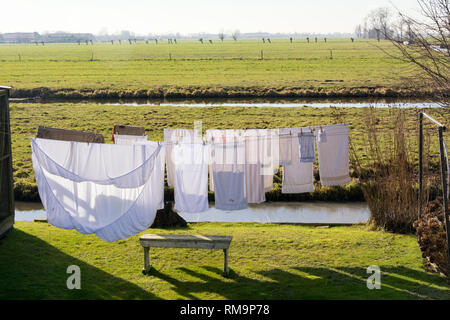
(172, 136)
(228, 170)
(158, 176)
(213, 135)
(332, 146)
(220, 136)
(255, 155)
(285, 146)
(96, 188)
(307, 145)
(297, 176)
(274, 143)
(262, 148)
(191, 182)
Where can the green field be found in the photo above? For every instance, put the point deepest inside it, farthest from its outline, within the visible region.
(190, 69)
(26, 117)
(267, 261)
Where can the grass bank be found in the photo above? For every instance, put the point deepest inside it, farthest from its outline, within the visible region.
(189, 69)
(193, 92)
(26, 117)
(267, 262)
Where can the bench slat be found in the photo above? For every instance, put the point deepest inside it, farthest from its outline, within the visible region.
(185, 241)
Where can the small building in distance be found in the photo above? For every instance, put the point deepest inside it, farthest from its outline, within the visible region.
(55, 37)
(20, 37)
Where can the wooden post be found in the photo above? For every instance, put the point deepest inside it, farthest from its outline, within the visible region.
(444, 188)
(262, 55)
(6, 174)
(226, 270)
(147, 265)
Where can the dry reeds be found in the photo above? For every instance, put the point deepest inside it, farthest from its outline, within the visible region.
(386, 171)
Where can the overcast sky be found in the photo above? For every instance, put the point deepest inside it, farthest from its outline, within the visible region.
(190, 16)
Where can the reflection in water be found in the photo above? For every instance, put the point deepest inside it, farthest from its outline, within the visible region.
(28, 206)
(285, 105)
(270, 212)
(288, 212)
(262, 102)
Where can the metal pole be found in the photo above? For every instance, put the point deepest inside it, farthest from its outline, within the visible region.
(444, 188)
(433, 120)
(420, 161)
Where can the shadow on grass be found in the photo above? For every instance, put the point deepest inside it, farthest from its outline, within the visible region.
(398, 282)
(32, 269)
(309, 283)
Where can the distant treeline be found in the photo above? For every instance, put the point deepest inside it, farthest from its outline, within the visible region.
(66, 37)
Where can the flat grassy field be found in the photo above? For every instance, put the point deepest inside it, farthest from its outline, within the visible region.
(26, 117)
(189, 67)
(267, 261)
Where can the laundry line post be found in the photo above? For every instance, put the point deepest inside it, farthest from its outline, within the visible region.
(444, 187)
(444, 173)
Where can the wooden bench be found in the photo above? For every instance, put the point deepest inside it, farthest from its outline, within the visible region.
(184, 241)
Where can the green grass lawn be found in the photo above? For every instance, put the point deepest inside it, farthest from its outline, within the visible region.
(26, 117)
(267, 261)
(232, 65)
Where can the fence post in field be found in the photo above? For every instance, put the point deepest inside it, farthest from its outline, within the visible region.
(262, 55)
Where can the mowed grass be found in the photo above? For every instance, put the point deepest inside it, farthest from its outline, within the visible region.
(267, 262)
(26, 117)
(230, 64)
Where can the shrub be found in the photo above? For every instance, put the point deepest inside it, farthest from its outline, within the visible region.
(431, 235)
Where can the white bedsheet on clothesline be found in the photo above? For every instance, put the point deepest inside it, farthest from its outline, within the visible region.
(93, 188)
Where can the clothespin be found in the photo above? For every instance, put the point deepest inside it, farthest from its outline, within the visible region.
(301, 131)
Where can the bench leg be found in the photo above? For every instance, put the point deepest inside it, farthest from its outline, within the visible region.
(147, 265)
(226, 270)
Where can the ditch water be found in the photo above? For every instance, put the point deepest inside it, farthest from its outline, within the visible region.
(257, 102)
(278, 212)
(326, 213)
